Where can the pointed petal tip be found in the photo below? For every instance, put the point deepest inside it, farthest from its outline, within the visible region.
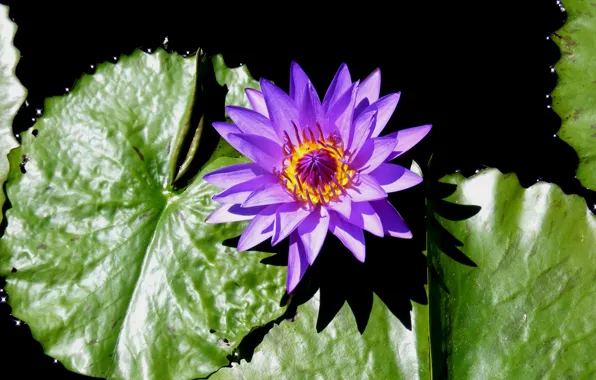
(206, 178)
(209, 219)
(401, 235)
(311, 259)
(360, 254)
(233, 108)
(422, 129)
(225, 129)
(415, 181)
(246, 244)
(290, 287)
(253, 96)
(264, 81)
(276, 240)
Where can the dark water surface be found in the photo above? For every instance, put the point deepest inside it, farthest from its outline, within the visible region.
(479, 73)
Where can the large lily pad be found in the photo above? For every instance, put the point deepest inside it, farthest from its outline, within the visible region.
(13, 93)
(294, 350)
(574, 98)
(117, 274)
(527, 311)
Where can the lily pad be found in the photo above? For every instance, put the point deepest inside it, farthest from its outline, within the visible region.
(386, 350)
(527, 311)
(117, 273)
(574, 98)
(13, 93)
(236, 80)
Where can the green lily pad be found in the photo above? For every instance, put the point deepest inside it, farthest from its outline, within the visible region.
(294, 350)
(527, 311)
(574, 98)
(13, 93)
(118, 275)
(236, 80)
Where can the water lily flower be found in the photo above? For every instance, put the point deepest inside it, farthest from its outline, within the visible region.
(316, 167)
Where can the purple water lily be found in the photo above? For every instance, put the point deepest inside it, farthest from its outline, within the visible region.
(317, 166)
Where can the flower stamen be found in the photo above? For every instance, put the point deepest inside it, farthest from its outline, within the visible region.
(316, 170)
(288, 144)
(297, 133)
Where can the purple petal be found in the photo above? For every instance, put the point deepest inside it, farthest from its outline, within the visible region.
(373, 153)
(407, 138)
(240, 192)
(370, 88)
(359, 108)
(251, 122)
(340, 84)
(233, 175)
(386, 105)
(228, 213)
(282, 110)
(395, 178)
(257, 101)
(365, 217)
(393, 224)
(350, 235)
(367, 190)
(313, 231)
(363, 127)
(258, 230)
(340, 115)
(271, 193)
(225, 129)
(297, 263)
(342, 206)
(264, 152)
(311, 113)
(288, 217)
(298, 83)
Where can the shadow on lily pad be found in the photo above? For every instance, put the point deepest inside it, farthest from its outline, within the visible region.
(209, 99)
(395, 269)
(446, 242)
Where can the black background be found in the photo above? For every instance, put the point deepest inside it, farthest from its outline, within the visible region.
(479, 73)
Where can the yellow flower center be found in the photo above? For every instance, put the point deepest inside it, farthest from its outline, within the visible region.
(315, 171)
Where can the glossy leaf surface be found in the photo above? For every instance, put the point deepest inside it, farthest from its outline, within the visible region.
(294, 350)
(527, 311)
(13, 93)
(574, 98)
(118, 275)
